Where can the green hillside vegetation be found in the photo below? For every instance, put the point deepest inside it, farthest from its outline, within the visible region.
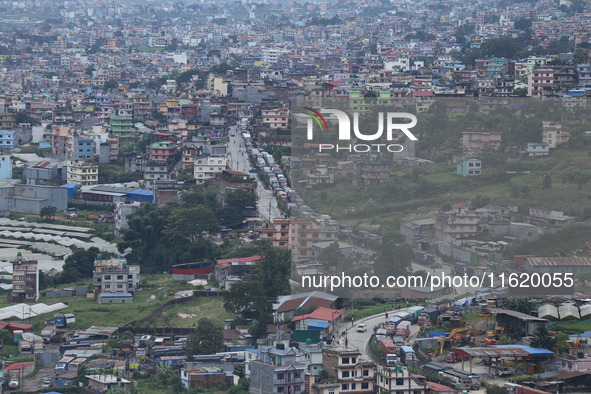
(559, 181)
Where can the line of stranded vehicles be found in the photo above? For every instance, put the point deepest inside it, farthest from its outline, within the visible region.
(391, 338)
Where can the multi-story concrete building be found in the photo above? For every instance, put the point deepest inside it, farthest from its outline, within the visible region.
(83, 173)
(277, 372)
(155, 172)
(205, 167)
(31, 198)
(353, 374)
(540, 82)
(122, 126)
(25, 280)
(122, 211)
(482, 140)
(275, 118)
(6, 139)
(298, 236)
(80, 148)
(469, 167)
(272, 55)
(5, 167)
(161, 152)
(114, 276)
(456, 224)
(553, 135)
(399, 380)
(113, 141)
(584, 75)
(375, 169)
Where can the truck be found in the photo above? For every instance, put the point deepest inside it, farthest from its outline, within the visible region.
(415, 311)
(70, 319)
(47, 333)
(452, 357)
(391, 324)
(389, 352)
(459, 268)
(403, 329)
(63, 365)
(407, 355)
(428, 315)
(14, 379)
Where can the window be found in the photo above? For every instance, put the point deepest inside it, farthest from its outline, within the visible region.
(119, 277)
(129, 276)
(280, 376)
(107, 286)
(344, 387)
(330, 391)
(345, 374)
(19, 287)
(107, 277)
(280, 389)
(297, 375)
(19, 277)
(119, 286)
(399, 382)
(364, 386)
(297, 387)
(353, 360)
(353, 386)
(366, 372)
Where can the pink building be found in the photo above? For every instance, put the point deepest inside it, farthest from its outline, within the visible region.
(482, 140)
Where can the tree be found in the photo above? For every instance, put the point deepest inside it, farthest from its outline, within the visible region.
(273, 271)
(495, 389)
(331, 256)
(80, 264)
(541, 339)
(525, 191)
(247, 299)
(547, 183)
(523, 24)
(445, 207)
(578, 178)
(236, 204)
(480, 200)
(191, 223)
(111, 84)
(392, 258)
(48, 212)
(519, 304)
(206, 339)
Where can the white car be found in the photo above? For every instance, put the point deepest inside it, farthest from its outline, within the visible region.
(361, 328)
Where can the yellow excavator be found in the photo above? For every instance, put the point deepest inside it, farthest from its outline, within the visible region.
(456, 336)
(492, 336)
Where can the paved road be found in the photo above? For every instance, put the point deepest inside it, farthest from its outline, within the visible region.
(239, 162)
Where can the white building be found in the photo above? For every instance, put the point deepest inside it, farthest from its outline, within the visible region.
(272, 55)
(206, 167)
(538, 149)
(398, 380)
(122, 211)
(82, 173)
(155, 172)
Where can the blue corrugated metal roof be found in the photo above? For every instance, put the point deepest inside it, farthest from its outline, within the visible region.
(319, 324)
(141, 192)
(103, 295)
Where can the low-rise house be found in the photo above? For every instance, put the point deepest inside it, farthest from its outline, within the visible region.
(202, 377)
(469, 167)
(230, 271)
(102, 383)
(115, 298)
(538, 149)
(322, 319)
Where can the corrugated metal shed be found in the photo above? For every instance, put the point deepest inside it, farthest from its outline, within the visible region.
(568, 310)
(503, 351)
(558, 261)
(548, 311)
(585, 310)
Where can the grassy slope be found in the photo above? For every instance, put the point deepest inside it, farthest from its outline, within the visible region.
(389, 213)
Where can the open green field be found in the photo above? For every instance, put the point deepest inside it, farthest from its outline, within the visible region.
(88, 312)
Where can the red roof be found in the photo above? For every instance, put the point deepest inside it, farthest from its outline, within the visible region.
(18, 366)
(458, 206)
(439, 387)
(325, 314)
(240, 260)
(422, 93)
(292, 305)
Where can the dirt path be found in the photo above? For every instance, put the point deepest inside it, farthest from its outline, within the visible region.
(34, 383)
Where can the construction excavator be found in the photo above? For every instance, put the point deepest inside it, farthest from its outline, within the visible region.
(494, 335)
(456, 337)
